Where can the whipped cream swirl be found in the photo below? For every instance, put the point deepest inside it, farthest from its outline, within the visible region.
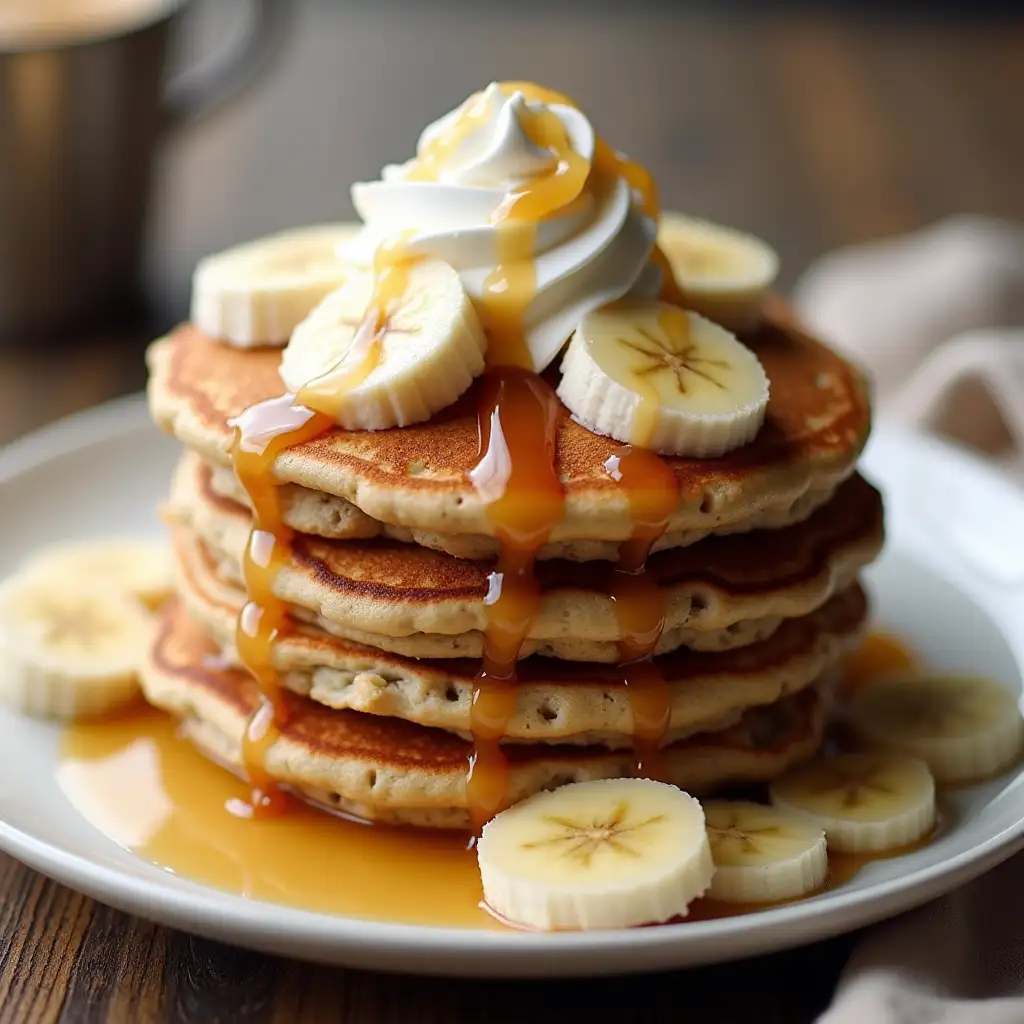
(592, 251)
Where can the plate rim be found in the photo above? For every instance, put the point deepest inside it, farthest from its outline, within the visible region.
(356, 941)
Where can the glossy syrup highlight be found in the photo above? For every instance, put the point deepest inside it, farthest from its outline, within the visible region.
(149, 791)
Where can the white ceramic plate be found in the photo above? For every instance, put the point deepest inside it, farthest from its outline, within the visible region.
(951, 582)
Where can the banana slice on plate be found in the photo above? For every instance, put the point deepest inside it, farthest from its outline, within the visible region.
(652, 374)
(424, 353)
(866, 803)
(608, 854)
(964, 728)
(69, 648)
(256, 294)
(141, 567)
(722, 273)
(762, 854)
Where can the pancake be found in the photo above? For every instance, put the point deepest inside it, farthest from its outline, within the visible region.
(417, 477)
(389, 770)
(557, 702)
(326, 515)
(721, 592)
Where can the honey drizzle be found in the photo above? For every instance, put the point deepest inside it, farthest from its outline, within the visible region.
(137, 781)
(515, 476)
(391, 265)
(261, 433)
(518, 416)
(653, 493)
(670, 290)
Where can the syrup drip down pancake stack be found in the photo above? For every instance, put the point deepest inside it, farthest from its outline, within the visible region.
(518, 482)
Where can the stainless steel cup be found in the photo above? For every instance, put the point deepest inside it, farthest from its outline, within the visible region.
(79, 129)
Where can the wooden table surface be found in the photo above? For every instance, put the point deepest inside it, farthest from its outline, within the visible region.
(815, 131)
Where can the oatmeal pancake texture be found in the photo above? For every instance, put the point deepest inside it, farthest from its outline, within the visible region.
(417, 477)
(389, 770)
(723, 591)
(556, 701)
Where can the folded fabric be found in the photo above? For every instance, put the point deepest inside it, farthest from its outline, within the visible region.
(972, 388)
(957, 960)
(892, 306)
(937, 319)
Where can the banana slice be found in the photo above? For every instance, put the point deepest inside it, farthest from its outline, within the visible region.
(141, 567)
(608, 854)
(762, 854)
(425, 353)
(722, 273)
(651, 374)
(866, 803)
(69, 648)
(257, 293)
(964, 728)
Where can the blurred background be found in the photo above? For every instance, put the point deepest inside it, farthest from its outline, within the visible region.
(814, 125)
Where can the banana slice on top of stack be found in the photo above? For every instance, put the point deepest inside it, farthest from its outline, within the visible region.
(427, 346)
(649, 373)
(255, 294)
(722, 273)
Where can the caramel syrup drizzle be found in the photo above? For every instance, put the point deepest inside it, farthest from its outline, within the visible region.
(518, 418)
(261, 433)
(652, 490)
(516, 477)
(653, 494)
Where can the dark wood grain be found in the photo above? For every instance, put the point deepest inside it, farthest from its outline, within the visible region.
(814, 130)
(210, 983)
(117, 971)
(42, 927)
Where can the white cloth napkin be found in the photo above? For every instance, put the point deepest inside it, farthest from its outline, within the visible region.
(937, 318)
(957, 960)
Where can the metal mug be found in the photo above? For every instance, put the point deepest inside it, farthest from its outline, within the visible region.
(80, 125)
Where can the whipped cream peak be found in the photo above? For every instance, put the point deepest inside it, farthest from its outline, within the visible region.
(484, 143)
(500, 153)
(508, 187)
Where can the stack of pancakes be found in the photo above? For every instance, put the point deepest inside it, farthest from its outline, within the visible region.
(388, 578)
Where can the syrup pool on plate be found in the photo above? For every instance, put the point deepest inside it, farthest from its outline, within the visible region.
(152, 793)
(880, 654)
(149, 791)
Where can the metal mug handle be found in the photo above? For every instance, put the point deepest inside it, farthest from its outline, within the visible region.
(994, 357)
(198, 91)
